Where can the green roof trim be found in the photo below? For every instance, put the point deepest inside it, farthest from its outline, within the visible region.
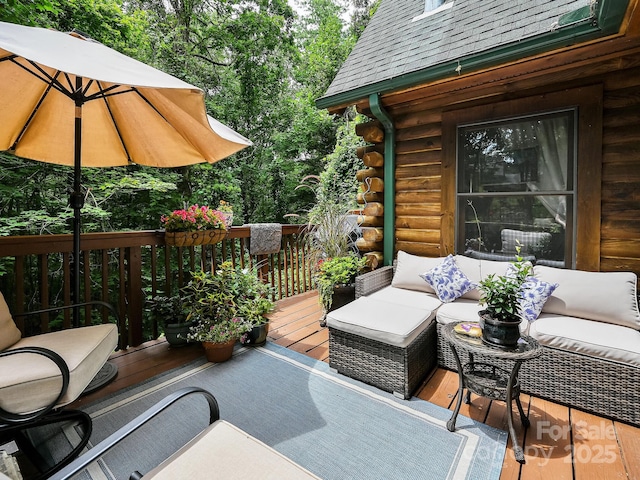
(576, 27)
(579, 15)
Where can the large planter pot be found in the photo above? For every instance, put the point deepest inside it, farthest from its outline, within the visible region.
(257, 336)
(190, 239)
(218, 352)
(176, 333)
(499, 333)
(342, 295)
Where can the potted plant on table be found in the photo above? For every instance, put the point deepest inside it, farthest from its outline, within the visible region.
(335, 281)
(196, 225)
(209, 298)
(501, 294)
(168, 312)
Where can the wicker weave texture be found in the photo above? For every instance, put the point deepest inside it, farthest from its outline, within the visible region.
(373, 281)
(609, 389)
(390, 368)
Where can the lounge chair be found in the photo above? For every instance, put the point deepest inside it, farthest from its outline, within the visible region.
(41, 374)
(221, 450)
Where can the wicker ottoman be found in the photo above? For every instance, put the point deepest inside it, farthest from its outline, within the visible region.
(389, 346)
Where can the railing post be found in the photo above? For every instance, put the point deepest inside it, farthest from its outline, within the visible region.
(134, 295)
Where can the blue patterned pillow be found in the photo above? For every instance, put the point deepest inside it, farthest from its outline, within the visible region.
(533, 295)
(448, 281)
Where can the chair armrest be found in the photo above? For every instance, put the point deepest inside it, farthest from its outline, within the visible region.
(19, 419)
(372, 281)
(112, 440)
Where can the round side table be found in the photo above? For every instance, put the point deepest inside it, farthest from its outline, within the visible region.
(488, 380)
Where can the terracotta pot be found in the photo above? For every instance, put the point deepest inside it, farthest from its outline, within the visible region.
(218, 352)
(499, 333)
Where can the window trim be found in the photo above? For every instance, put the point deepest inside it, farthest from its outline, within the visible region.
(588, 168)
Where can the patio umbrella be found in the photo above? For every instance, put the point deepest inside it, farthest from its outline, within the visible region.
(69, 100)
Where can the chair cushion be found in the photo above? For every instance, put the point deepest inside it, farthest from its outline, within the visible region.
(386, 322)
(9, 333)
(462, 310)
(222, 450)
(402, 296)
(595, 339)
(29, 382)
(609, 297)
(409, 268)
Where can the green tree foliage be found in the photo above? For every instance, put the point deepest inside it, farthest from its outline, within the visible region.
(261, 68)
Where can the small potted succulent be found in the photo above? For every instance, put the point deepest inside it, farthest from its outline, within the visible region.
(501, 294)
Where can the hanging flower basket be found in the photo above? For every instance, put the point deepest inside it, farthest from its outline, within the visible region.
(190, 239)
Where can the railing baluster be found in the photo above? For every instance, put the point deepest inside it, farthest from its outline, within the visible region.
(125, 335)
(19, 270)
(87, 286)
(66, 282)
(122, 267)
(104, 283)
(44, 291)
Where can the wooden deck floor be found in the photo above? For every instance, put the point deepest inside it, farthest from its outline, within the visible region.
(561, 443)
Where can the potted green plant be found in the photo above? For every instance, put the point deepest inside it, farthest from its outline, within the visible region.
(253, 299)
(169, 314)
(501, 295)
(335, 281)
(210, 302)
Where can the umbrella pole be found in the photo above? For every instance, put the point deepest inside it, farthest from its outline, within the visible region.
(76, 199)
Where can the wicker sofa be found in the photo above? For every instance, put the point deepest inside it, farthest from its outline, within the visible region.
(589, 329)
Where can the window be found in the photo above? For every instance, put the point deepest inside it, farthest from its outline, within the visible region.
(431, 7)
(515, 187)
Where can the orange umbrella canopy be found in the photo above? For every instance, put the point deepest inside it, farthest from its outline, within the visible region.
(69, 100)
(130, 111)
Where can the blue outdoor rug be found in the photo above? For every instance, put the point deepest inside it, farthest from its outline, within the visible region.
(335, 427)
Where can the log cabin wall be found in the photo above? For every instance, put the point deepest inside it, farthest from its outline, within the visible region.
(421, 225)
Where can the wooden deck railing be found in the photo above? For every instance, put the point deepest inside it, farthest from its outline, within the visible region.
(127, 268)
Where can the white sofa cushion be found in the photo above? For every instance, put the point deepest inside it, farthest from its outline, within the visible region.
(409, 268)
(29, 382)
(595, 339)
(411, 298)
(9, 333)
(222, 450)
(462, 310)
(604, 296)
(386, 322)
(477, 270)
